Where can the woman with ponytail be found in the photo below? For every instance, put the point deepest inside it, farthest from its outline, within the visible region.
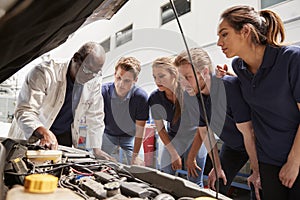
(269, 72)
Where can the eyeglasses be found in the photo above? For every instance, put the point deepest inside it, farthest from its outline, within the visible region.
(88, 71)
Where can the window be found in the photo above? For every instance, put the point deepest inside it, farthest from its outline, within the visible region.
(124, 36)
(106, 45)
(268, 3)
(182, 7)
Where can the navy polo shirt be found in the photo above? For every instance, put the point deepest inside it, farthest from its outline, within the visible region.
(272, 94)
(225, 107)
(163, 109)
(121, 114)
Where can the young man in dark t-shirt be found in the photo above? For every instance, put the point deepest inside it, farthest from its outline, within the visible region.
(228, 116)
(126, 111)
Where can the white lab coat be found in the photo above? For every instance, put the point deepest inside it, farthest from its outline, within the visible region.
(42, 96)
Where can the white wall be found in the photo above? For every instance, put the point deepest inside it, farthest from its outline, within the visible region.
(151, 40)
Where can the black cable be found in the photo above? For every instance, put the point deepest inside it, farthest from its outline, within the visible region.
(62, 184)
(51, 165)
(59, 166)
(201, 98)
(17, 174)
(63, 165)
(65, 183)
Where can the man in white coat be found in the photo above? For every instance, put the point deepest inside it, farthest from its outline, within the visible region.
(56, 98)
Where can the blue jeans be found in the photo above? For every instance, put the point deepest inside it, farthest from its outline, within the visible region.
(183, 152)
(111, 143)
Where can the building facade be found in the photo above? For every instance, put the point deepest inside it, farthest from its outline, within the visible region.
(147, 29)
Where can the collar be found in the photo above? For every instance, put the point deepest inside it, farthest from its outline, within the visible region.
(269, 58)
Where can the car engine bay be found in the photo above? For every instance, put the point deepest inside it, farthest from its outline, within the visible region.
(80, 173)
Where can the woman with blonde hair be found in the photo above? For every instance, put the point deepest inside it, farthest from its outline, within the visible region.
(167, 104)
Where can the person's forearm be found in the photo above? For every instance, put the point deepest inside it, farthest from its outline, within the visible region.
(28, 122)
(166, 141)
(210, 141)
(249, 141)
(30, 101)
(211, 146)
(251, 150)
(137, 145)
(215, 158)
(295, 150)
(195, 146)
(139, 135)
(163, 135)
(99, 153)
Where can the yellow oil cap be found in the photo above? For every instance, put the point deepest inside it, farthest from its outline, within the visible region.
(40, 183)
(204, 198)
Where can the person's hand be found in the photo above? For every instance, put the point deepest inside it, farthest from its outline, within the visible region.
(136, 160)
(254, 178)
(191, 165)
(100, 154)
(176, 162)
(48, 138)
(222, 71)
(212, 178)
(288, 173)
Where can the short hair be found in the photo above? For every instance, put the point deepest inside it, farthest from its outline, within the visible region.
(130, 64)
(199, 57)
(91, 48)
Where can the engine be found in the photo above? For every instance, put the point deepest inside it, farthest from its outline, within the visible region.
(78, 175)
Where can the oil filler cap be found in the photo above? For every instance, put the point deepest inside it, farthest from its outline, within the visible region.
(40, 183)
(112, 188)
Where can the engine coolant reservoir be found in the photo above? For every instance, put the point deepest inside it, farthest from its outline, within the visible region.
(41, 187)
(18, 192)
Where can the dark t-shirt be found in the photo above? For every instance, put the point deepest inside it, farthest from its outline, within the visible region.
(225, 107)
(272, 94)
(121, 114)
(184, 128)
(163, 109)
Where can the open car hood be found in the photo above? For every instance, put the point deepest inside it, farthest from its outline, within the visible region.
(30, 28)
